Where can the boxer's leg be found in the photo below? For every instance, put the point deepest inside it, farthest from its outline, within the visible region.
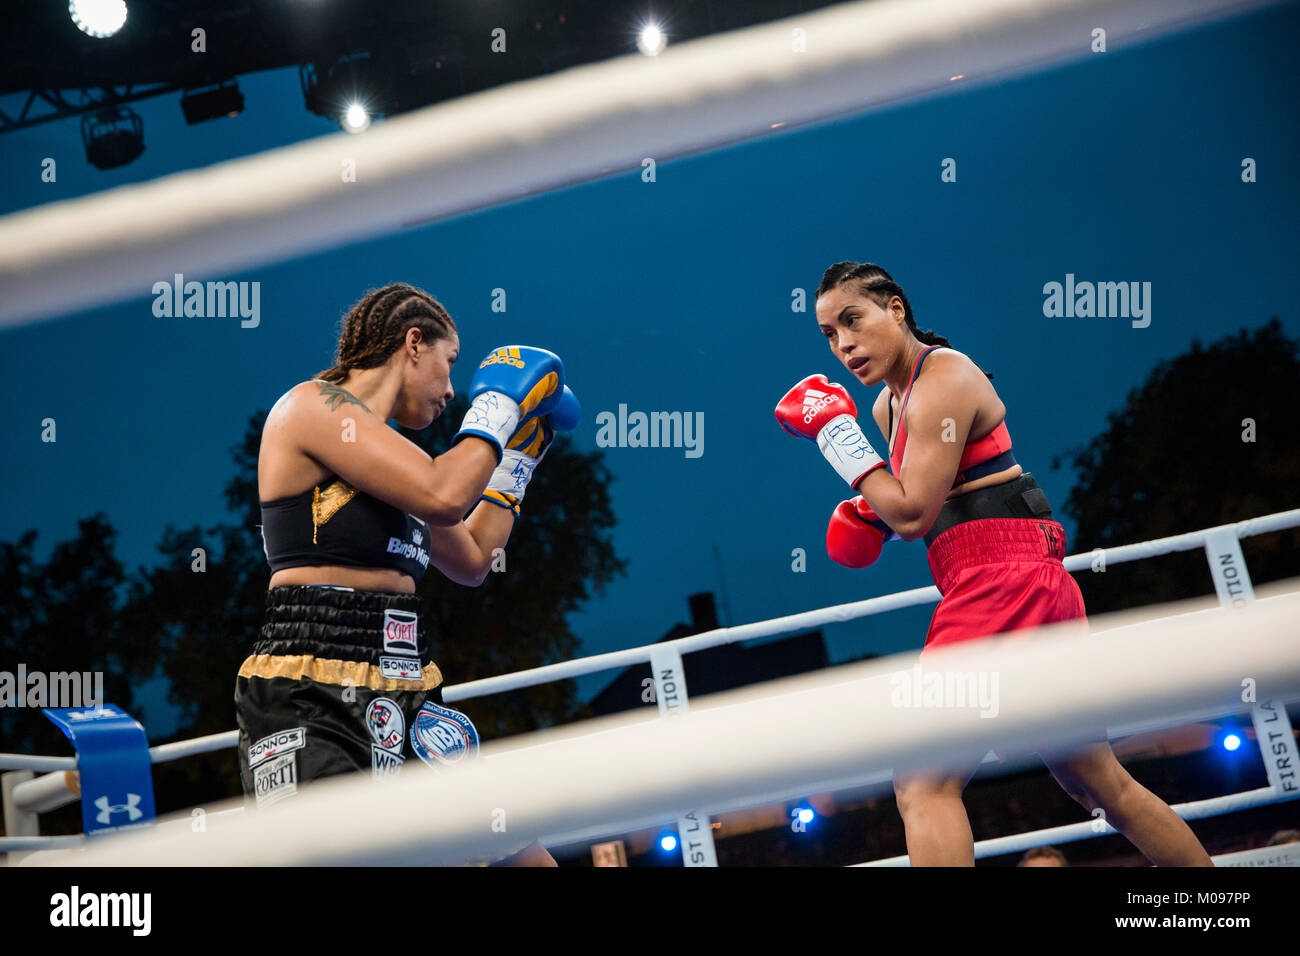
(1095, 779)
(934, 817)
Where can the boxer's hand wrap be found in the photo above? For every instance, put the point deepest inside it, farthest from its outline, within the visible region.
(526, 447)
(823, 412)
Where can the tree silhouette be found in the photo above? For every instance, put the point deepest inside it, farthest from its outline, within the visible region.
(61, 616)
(1208, 439)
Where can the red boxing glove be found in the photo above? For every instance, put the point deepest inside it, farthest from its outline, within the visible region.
(810, 405)
(873, 519)
(822, 412)
(856, 534)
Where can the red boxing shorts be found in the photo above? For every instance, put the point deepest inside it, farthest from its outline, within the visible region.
(998, 575)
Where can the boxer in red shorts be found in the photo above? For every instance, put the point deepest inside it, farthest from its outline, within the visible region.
(993, 546)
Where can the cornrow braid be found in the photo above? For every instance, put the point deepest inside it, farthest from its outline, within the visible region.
(879, 286)
(375, 327)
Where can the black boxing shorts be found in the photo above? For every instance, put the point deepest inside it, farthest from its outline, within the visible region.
(341, 681)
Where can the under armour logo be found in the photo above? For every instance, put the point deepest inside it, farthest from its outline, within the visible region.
(98, 713)
(130, 808)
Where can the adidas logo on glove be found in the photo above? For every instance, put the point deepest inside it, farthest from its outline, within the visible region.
(506, 356)
(813, 402)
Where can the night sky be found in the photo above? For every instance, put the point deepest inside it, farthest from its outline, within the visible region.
(676, 296)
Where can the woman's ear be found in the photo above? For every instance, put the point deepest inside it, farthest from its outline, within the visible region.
(414, 339)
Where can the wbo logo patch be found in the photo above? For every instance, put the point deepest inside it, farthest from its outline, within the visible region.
(442, 737)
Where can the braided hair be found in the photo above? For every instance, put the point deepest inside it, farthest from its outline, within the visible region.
(376, 327)
(878, 285)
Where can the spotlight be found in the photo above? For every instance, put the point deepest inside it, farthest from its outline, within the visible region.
(355, 118)
(668, 842)
(1231, 742)
(212, 104)
(98, 18)
(352, 91)
(112, 137)
(651, 41)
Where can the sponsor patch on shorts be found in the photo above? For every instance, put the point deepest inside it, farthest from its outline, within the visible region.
(386, 724)
(384, 763)
(400, 668)
(442, 737)
(401, 633)
(275, 779)
(277, 744)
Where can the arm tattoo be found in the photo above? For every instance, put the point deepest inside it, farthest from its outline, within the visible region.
(335, 396)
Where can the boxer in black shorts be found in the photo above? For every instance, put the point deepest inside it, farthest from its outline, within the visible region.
(340, 678)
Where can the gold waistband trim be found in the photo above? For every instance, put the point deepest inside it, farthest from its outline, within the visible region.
(328, 671)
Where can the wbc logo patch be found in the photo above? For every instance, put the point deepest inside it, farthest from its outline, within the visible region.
(442, 737)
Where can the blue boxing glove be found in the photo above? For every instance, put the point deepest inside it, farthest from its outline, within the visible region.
(567, 412)
(513, 385)
(526, 448)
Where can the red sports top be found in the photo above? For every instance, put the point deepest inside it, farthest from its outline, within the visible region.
(988, 455)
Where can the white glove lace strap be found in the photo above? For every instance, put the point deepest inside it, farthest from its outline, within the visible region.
(510, 480)
(492, 415)
(843, 445)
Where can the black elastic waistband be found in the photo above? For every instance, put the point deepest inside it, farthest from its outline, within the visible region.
(991, 467)
(1019, 498)
(300, 619)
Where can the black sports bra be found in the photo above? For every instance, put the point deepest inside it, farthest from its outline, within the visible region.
(336, 524)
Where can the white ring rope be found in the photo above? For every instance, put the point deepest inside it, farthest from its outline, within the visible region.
(828, 732)
(1278, 521)
(565, 128)
(841, 613)
(1015, 843)
(162, 753)
(836, 614)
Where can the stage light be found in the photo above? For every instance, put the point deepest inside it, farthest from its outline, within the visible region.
(668, 842)
(212, 104)
(112, 137)
(98, 18)
(353, 91)
(355, 118)
(805, 814)
(1231, 742)
(651, 41)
